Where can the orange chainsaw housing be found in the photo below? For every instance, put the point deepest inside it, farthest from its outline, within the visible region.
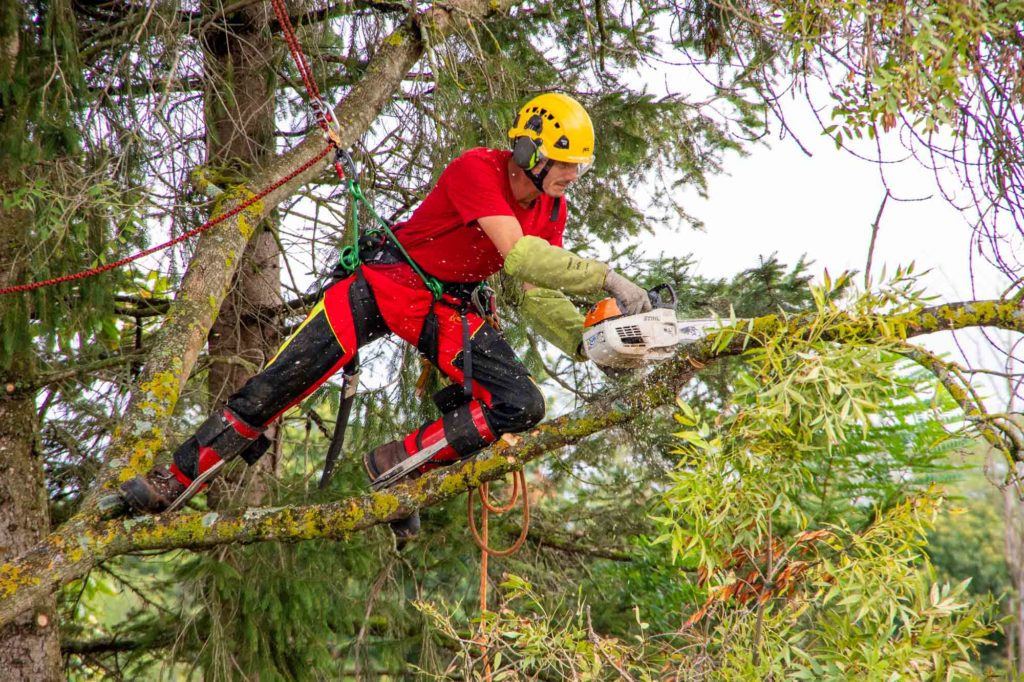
(602, 311)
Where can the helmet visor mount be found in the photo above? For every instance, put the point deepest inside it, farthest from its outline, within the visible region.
(583, 164)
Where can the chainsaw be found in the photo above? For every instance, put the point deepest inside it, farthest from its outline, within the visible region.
(612, 339)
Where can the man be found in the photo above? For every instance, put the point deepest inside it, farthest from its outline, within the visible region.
(490, 210)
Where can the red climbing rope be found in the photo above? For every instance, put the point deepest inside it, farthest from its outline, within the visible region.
(293, 45)
(324, 120)
(19, 288)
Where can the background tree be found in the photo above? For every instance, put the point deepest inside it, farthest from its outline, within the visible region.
(142, 93)
(54, 219)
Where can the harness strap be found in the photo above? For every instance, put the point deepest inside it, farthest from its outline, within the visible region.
(467, 357)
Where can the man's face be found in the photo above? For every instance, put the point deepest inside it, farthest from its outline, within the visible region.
(559, 177)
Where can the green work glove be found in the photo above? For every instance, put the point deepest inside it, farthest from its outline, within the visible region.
(554, 317)
(535, 261)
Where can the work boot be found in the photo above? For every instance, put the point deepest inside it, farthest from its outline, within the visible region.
(154, 492)
(377, 462)
(218, 440)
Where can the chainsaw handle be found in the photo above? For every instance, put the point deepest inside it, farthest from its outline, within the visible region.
(662, 296)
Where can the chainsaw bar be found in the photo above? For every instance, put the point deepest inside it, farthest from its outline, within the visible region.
(691, 331)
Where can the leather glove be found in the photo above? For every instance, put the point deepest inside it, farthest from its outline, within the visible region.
(535, 261)
(631, 298)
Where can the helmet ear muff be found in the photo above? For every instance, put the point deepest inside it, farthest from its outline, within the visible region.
(525, 149)
(525, 152)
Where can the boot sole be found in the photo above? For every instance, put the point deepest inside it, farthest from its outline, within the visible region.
(369, 468)
(139, 496)
(407, 528)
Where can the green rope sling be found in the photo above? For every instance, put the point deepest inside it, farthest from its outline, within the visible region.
(348, 259)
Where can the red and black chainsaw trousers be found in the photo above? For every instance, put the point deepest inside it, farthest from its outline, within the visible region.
(375, 301)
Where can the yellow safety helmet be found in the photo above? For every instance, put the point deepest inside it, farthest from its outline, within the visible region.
(552, 126)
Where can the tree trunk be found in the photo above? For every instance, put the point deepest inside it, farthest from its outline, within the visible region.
(30, 644)
(240, 121)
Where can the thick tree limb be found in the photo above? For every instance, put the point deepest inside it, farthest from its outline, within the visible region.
(65, 556)
(1002, 434)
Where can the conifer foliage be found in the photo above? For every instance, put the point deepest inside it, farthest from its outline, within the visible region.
(756, 508)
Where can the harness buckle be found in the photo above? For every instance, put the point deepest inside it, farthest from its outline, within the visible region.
(348, 165)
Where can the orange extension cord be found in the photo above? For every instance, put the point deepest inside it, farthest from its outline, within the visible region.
(481, 536)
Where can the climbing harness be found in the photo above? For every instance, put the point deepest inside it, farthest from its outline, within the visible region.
(349, 258)
(485, 302)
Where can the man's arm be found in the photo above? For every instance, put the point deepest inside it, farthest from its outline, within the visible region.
(504, 231)
(553, 316)
(537, 262)
(534, 260)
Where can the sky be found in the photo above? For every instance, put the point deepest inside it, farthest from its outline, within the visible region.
(777, 199)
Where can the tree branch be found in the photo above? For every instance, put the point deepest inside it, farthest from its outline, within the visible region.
(1001, 434)
(65, 373)
(76, 548)
(609, 553)
(113, 645)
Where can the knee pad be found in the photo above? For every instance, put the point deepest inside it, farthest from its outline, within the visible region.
(520, 409)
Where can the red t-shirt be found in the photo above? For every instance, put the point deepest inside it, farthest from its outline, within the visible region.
(442, 234)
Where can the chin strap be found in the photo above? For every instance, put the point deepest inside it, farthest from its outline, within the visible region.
(538, 182)
(538, 178)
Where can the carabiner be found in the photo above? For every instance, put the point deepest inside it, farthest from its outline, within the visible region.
(345, 159)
